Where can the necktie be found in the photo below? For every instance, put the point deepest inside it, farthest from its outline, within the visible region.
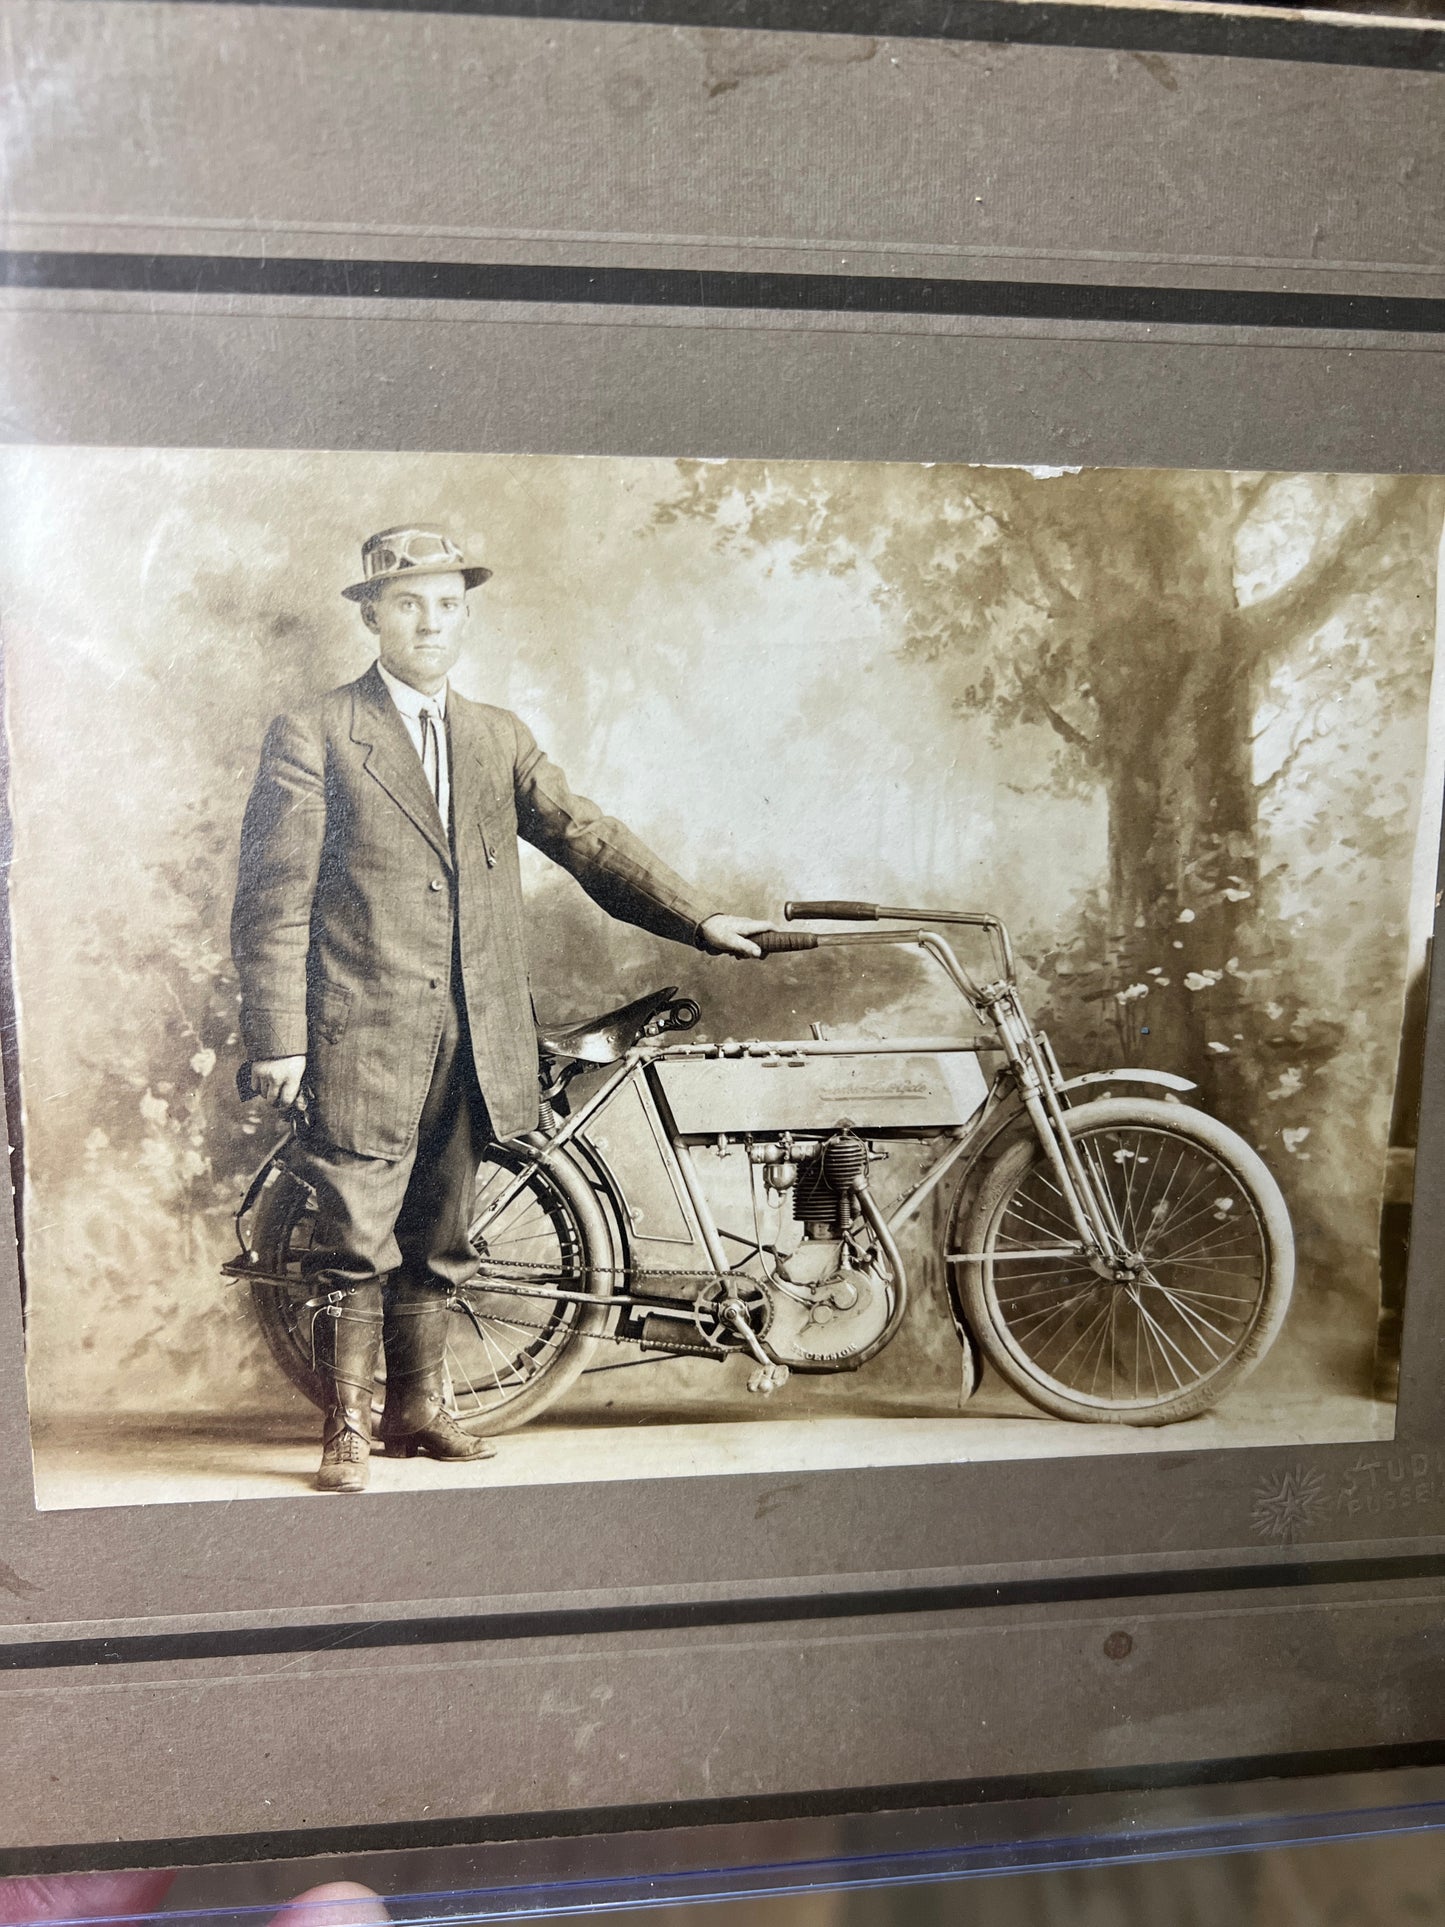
(431, 761)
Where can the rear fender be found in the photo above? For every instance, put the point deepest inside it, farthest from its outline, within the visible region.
(580, 1164)
(586, 1166)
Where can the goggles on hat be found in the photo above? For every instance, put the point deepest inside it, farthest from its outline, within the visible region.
(408, 549)
(393, 552)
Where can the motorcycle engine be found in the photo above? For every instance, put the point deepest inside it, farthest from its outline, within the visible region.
(830, 1299)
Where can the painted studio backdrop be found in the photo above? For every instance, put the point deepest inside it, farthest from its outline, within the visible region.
(1174, 727)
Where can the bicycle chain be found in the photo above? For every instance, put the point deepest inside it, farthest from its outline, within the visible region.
(528, 1269)
(634, 1338)
(625, 1271)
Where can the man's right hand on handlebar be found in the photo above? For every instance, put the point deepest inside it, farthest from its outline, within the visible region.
(724, 936)
(278, 1080)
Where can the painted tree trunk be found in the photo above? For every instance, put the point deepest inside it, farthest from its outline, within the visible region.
(1176, 764)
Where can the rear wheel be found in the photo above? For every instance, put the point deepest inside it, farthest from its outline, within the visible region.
(507, 1356)
(1205, 1296)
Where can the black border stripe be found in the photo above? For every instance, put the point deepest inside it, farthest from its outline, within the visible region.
(400, 1835)
(1191, 30)
(201, 275)
(245, 1642)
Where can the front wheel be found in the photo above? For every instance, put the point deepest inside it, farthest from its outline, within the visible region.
(1203, 1299)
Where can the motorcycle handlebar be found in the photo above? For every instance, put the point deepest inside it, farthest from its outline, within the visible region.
(772, 941)
(830, 908)
(843, 911)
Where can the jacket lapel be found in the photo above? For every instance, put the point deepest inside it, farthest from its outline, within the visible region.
(393, 762)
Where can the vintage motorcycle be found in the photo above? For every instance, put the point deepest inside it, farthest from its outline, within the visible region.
(1122, 1259)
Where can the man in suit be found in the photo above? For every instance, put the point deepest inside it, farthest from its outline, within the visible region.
(378, 936)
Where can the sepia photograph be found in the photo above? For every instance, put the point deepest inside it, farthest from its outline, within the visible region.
(535, 969)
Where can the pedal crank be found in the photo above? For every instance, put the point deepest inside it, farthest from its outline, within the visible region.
(733, 1313)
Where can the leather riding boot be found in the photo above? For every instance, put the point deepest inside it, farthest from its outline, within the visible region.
(345, 1336)
(415, 1418)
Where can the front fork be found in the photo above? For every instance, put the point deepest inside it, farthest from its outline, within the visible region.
(1038, 1077)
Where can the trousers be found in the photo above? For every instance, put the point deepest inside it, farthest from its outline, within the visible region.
(377, 1217)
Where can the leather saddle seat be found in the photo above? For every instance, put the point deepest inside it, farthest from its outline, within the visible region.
(603, 1040)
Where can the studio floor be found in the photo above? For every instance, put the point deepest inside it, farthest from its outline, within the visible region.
(150, 1459)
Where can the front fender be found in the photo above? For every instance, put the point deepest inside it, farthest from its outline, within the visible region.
(1008, 1118)
(1166, 1080)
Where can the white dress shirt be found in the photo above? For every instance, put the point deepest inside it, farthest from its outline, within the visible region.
(410, 703)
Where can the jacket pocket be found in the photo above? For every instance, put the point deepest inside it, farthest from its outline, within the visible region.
(497, 826)
(331, 1012)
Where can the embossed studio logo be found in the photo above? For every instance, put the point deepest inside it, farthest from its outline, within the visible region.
(1287, 1503)
(1393, 1482)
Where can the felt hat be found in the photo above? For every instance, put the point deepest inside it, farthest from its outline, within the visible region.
(397, 552)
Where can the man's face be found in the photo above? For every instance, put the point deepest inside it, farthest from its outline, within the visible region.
(418, 625)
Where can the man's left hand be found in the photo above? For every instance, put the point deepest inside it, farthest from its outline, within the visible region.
(729, 936)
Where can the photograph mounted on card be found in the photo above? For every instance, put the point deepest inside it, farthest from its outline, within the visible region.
(979, 1017)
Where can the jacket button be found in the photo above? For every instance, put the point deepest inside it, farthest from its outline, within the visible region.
(435, 884)
(436, 983)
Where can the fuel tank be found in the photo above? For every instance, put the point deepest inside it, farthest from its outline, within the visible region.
(760, 1089)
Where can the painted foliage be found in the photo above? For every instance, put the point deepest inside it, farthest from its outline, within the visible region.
(1172, 726)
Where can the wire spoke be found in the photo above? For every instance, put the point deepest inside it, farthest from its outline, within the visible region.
(1195, 1320)
(1224, 1265)
(1041, 1190)
(1165, 1342)
(530, 1335)
(1106, 1344)
(1209, 1169)
(1130, 1162)
(1224, 1221)
(1039, 1317)
(520, 1210)
(1205, 1297)
(1089, 1158)
(1209, 1297)
(1210, 1240)
(1046, 1231)
(1061, 1275)
(1152, 1347)
(1155, 1169)
(1100, 1315)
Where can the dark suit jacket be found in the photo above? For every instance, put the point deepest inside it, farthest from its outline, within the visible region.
(350, 894)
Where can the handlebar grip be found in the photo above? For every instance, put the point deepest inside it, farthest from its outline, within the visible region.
(840, 911)
(771, 941)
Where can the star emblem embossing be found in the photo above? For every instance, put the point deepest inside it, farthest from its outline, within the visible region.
(1287, 1503)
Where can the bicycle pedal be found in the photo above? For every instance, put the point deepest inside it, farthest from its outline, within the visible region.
(768, 1379)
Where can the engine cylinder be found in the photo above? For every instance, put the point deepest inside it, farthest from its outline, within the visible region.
(825, 1181)
(815, 1201)
(845, 1162)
